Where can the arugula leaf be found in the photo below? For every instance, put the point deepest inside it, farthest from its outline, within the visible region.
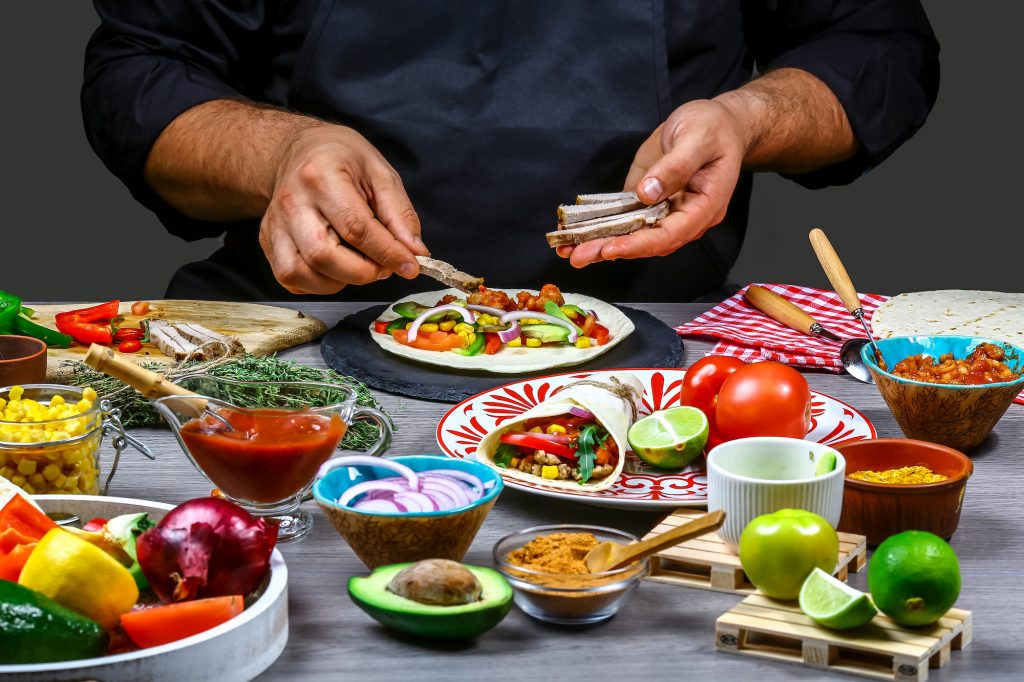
(587, 443)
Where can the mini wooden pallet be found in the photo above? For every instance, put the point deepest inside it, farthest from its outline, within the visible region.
(707, 563)
(779, 631)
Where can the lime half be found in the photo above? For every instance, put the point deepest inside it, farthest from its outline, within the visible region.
(670, 439)
(826, 463)
(833, 603)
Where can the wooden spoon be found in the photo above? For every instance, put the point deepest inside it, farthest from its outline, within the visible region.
(608, 556)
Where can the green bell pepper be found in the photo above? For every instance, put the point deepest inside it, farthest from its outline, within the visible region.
(474, 348)
(13, 322)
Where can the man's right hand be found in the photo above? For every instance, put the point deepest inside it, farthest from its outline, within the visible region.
(338, 215)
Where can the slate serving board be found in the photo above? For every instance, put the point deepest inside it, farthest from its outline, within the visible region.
(348, 349)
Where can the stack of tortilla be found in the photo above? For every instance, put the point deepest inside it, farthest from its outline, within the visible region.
(959, 312)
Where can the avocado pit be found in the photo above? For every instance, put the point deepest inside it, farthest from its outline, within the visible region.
(440, 582)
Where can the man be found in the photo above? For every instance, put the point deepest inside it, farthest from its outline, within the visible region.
(334, 140)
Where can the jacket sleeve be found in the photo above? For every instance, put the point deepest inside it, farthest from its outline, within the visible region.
(879, 57)
(147, 63)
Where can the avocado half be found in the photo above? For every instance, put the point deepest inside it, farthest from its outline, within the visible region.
(464, 621)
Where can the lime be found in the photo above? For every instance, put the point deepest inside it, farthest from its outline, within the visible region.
(914, 578)
(826, 463)
(833, 603)
(670, 439)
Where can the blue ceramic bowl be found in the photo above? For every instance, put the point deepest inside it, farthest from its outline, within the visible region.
(381, 538)
(960, 417)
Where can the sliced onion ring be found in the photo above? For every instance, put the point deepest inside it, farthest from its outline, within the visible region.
(490, 310)
(414, 328)
(367, 461)
(544, 317)
(580, 412)
(510, 334)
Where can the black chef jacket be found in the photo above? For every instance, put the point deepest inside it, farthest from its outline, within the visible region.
(495, 111)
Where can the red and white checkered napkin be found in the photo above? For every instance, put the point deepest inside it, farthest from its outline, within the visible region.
(745, 332)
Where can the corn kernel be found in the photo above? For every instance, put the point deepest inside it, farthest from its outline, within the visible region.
(428, 327)
(89, 394)
(16, 393)
(37, 480)
(555, 428)
(51, 472)
(583, 342)
(71, 483)
(471, 337)
(513, 463)
(19, 480)
(536, 429)
(533, 343)
(3, 403)
(446, 326)
(60, 481)
(515, 343)
(549, 471)
(58, 400)
(27, 467)
(29, 488)
(463, 327)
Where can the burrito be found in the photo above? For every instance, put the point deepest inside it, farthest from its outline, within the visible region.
(575, 440)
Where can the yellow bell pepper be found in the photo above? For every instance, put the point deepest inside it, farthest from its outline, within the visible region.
(81, 577)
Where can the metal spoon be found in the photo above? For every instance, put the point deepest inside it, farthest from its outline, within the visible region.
(849, 354)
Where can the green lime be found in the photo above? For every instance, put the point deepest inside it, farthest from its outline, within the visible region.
(826, 463)
(914, 577)
(833, 603)
(669, 439)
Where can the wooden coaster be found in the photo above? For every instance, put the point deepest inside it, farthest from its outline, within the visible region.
(779, 631)
(707, 563)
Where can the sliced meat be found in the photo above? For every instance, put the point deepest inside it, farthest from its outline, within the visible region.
(602, 198)
(571, 215)
(610, 226)
(171, 343)
(201, 336)
(447, 274)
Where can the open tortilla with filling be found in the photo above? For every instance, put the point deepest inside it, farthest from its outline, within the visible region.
(615, 405)
(511, 360)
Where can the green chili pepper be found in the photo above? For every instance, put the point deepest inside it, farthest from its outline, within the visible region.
(13, 322)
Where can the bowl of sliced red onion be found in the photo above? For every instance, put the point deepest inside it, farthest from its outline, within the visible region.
(401, 509)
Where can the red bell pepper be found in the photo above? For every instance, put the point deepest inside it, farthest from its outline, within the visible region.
(82, 324)
(381, 326)
(532, 441)
(15, 548)
(169, 623)
(20, 515)
(493, 343)
(601, 334)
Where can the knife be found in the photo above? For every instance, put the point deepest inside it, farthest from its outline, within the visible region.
(785, 312)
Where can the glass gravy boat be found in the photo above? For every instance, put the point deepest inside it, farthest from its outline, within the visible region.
(265, 458)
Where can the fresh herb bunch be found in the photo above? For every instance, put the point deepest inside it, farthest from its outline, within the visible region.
(136, 410)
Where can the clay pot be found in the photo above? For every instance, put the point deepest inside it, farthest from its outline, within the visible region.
(22, 361)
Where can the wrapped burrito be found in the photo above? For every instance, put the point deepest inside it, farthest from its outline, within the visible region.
(575, 440)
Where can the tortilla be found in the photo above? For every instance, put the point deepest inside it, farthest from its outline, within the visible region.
(957, 312)
(614, 413)
(514, 360)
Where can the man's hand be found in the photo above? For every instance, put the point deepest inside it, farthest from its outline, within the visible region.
(338, 215)
(694, 158)
(787, 120)
(334, 211)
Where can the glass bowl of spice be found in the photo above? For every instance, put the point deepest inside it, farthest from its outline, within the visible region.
(545, 566)
(896, 484)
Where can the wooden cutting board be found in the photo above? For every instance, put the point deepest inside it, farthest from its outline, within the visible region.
(262, 329)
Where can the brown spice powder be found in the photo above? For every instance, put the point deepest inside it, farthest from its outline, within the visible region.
(555, 553)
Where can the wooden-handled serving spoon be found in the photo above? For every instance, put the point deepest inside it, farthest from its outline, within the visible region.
(609, 556)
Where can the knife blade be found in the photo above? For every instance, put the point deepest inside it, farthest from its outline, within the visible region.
(786, 312)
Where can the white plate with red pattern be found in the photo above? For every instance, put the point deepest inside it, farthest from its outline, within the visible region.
(640, 486)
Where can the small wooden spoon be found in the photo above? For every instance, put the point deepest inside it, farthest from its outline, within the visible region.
(609, 556)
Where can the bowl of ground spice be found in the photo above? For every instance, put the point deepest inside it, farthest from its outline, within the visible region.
(896, 484)
(551, 582)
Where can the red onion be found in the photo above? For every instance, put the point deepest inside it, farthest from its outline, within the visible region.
(544, 317)
(467, 315)
(593, 313)
(497, 312)
(510, 334)
(580, 412)
(436, 490)
(206, 547)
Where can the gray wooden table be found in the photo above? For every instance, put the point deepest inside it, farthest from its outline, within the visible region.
(666, 632)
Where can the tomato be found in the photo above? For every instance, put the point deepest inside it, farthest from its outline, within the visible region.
(764, 399)
(601, 334)
(534, 442)
(588, 325)
(140, 308)
(778, 551)
(129, 346)
(128, 334)
(700, 389)
(380, 326)
(493, 344)
(171, 622)
(437, 341)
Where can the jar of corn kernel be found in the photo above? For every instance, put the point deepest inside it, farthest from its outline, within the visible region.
(50, 438)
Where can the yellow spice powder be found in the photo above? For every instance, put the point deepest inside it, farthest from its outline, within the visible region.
(904, 476)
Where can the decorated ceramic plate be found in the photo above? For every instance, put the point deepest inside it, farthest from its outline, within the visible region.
(640, 486)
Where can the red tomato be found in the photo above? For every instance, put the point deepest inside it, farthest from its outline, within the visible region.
(437, 341)
(380, 326)
(601, 334)
(764, 399)
(700, 389)
(493, 344)
(128, 334)
(130, 346)
(140, 308)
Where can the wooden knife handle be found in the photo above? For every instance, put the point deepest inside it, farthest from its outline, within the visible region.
(779, 309)
(834, 269)
(149, 384)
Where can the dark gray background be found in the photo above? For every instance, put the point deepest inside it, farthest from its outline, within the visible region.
(938, 214)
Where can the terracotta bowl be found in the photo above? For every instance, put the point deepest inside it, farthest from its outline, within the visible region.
(22, 360)
(382, 538)
(878, 510)
(958, 416)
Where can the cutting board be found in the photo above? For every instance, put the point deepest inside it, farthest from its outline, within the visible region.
(262, 329)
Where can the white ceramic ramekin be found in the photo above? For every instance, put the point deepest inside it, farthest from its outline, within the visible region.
(749, 477)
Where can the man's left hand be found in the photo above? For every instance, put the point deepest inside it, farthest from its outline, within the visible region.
(693, 159)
